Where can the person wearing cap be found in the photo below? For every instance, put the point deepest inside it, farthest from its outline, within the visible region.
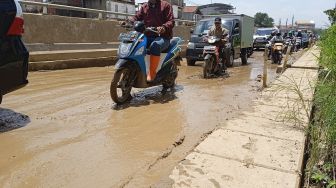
(220, 32)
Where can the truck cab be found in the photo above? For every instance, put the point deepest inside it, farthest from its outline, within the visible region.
(240, 38)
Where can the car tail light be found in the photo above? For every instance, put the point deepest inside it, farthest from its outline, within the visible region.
(17, 27)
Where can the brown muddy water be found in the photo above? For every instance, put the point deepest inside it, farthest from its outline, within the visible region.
(63, 129)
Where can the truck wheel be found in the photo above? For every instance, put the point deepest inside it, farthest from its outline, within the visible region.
(243, 56)
(250, 52)
(229, 59)
(191, 62)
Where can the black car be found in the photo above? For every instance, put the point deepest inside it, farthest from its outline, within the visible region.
(13, 53)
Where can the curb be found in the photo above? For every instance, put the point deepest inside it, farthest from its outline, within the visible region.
(70, 59)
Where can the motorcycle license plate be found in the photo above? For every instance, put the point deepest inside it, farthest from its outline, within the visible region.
(209, 48)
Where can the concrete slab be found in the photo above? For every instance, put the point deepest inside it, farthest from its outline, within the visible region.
(203, 170)
(255, 150)
(290, 115)
(294, 84)
(309, 60)
(266, 128)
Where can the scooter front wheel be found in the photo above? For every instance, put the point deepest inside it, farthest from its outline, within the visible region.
(208, 67)
(121, 87)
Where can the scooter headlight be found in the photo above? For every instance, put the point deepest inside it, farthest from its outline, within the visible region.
(124, 49)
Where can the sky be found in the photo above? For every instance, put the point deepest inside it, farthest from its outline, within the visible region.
(310, 10)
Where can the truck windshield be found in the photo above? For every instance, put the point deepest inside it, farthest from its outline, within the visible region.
(203, 27)
(262, 32)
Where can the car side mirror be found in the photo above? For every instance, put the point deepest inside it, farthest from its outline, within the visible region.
(191, 31)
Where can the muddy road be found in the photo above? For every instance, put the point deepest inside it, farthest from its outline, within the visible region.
(63, 129)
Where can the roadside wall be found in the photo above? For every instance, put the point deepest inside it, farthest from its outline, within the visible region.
(50, 29)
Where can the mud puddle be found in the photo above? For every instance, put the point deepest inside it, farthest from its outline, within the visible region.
(76, 137)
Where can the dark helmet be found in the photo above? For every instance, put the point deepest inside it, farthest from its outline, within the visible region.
(139, 27)
(218, 20)
(273, 33)
(278, 34)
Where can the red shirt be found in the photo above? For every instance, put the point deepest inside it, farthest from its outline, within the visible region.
(160, 15)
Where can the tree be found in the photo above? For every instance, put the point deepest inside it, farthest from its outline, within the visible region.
(263, 20)
(331, 15)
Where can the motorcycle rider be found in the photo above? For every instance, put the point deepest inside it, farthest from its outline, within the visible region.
(299, 34)
(220, 32)
(291, 35)
(269, 46)
(159, 14)
(277, 38)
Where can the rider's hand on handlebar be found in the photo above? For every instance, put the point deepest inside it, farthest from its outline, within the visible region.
(122, 23)
(161, 30)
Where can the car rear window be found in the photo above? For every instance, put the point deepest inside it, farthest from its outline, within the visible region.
(263, 32)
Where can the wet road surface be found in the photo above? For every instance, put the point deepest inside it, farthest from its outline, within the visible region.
(63, 129)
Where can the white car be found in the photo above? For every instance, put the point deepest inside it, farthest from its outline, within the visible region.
(261, 35)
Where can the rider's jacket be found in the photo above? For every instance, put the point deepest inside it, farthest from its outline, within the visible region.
(160, 14)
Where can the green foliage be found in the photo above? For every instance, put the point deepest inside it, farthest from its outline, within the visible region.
(331, 15)
(263, 20)
(322, 160)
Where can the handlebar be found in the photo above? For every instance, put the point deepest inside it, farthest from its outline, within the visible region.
(129, 26)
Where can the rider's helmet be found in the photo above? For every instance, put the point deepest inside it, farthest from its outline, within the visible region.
(278, 34)
(299, 33)
(273, 33)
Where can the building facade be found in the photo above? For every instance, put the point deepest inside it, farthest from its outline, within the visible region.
(122, 6)
(305, 25)
(190, 13)
(177, 7)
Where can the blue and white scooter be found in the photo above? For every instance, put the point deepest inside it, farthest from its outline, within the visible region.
(133, 64)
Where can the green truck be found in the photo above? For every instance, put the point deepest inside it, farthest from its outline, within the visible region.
(241, 30)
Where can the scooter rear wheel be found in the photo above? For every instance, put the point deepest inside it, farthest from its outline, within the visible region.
(121, 87)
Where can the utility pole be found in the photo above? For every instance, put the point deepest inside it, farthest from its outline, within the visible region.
(293, 22)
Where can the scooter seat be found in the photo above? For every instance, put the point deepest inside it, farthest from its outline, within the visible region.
(172, 44)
